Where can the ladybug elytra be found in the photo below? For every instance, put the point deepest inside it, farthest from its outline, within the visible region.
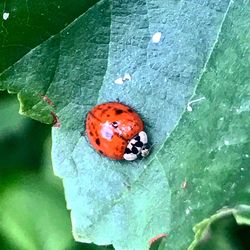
(115, 130)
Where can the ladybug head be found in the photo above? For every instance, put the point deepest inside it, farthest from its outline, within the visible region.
(137, 147)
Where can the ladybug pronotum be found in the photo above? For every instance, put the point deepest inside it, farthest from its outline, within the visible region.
(115, 130)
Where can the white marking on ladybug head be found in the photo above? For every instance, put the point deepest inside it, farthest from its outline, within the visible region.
(130, 157)
(143, 137)
(137, 146)
(132, 141)
(130, 146)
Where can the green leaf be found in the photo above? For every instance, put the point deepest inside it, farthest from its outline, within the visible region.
(25, 24)
(11, 123)
(14, 131)
(127, 204)
(209, 150)
(31, 215)
(221, 230)
(32, 207)
(57, 75)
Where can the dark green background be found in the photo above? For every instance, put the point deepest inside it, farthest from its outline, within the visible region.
(33, 211)
(28, 189)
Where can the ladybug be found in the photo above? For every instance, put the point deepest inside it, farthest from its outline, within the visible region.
(115, 130)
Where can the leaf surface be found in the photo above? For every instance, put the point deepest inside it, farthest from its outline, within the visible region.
(127, 204)
(25, 24)
(227, 229)
(209, 149)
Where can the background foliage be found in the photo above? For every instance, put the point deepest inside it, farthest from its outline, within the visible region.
(200, 154)
(33, 212)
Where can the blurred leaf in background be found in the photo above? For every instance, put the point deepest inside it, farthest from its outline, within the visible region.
(28, 23)
(33, 212)
(21, 139)
(228, 229)
(203, 165)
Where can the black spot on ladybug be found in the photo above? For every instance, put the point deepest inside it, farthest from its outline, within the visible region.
(128, 151)
(123, 143)
(100, 151)
(134, 150)
(138, 144)
(137, 138)
(114, 124)
(108, 115)
(104, 111)
(118, 111)
(130, 110)
(109, 107)
(97, 141)
(91, 134)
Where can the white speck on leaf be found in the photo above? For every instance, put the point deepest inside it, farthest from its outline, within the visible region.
(184, 184)
(119, 81)
(226, 142)
(6, 15)
(189, 108)
(247, 155)
(124, 78)
(242, 169)
(156, 37)
(188, 210)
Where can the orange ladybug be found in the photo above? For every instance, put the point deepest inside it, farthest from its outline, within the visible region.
(115, 130)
